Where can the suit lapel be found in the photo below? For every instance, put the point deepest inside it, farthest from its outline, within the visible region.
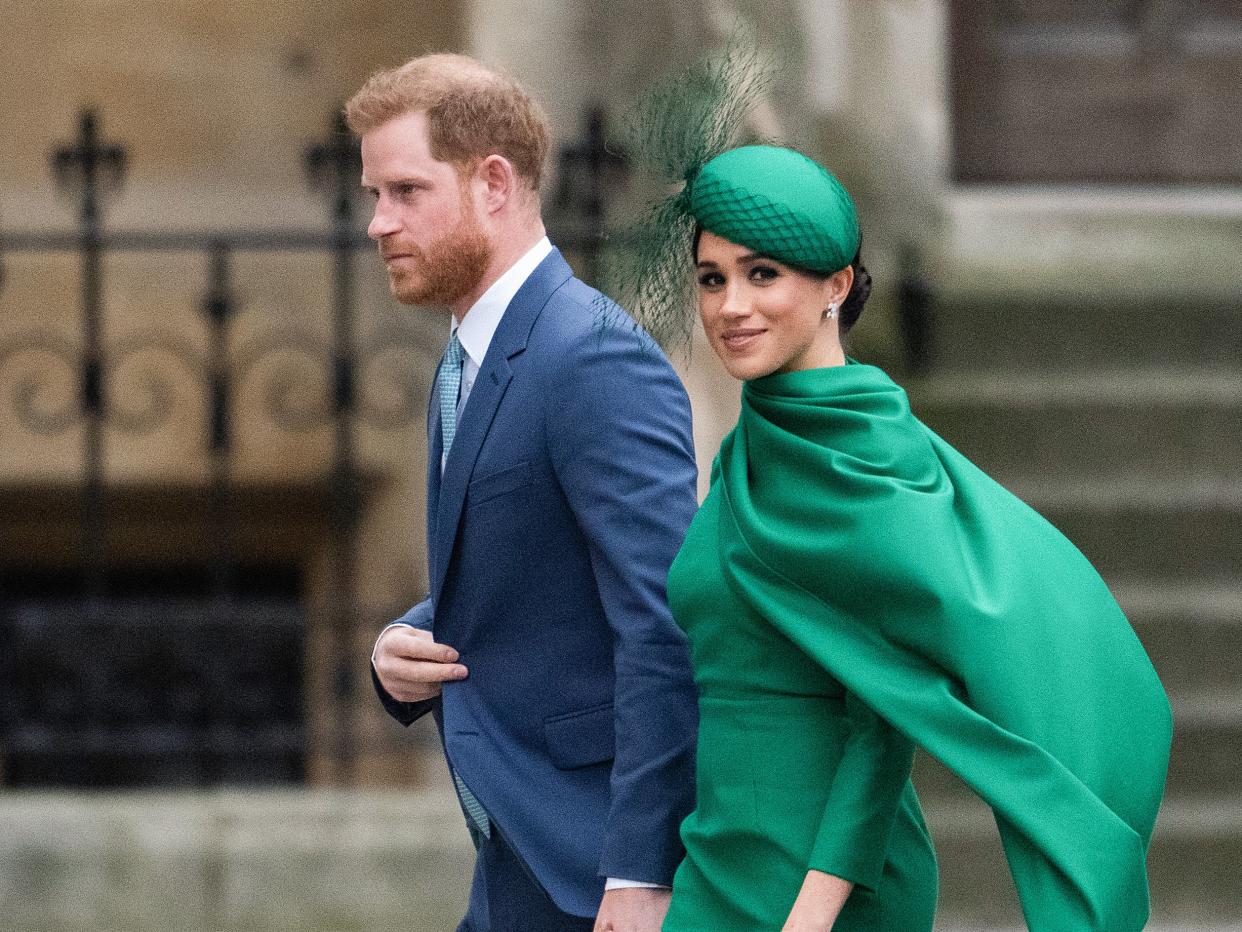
(476, 419)
(435, 449)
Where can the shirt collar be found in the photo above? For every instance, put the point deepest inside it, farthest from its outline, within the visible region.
(480, 322)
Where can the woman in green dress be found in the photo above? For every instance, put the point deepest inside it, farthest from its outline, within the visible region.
(852, 588)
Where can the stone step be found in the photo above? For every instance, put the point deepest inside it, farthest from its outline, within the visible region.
(1192, 631)
(1149, 423)
(1192, 866)
(271, 861)
(1207, 744)
(1177, 530)
(1193, 634)
(1015, 333)
(354, 861)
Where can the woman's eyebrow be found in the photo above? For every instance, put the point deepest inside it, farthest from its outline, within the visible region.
(740, 260)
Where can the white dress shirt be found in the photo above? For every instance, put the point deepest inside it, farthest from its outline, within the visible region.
(475, 331)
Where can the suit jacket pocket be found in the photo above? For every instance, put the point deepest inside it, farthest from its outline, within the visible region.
(498, 483)
(582, 738)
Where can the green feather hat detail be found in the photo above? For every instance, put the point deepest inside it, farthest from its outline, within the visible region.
(772, 199)
(679, 125)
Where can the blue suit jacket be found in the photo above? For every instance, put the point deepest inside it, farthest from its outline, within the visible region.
(566, 494)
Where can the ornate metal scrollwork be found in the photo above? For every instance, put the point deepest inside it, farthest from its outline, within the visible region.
(296, 385)
(410, 390)
(134, 412)
(146, 411)
(30, 389)
(292, 399)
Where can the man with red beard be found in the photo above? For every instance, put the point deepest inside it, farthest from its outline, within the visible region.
(561, 479)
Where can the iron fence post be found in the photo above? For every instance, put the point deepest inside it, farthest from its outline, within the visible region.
(335, 166)
(218, 307)
(88, 167)
(586, 170)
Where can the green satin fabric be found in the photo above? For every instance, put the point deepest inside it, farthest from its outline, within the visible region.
(962, 618)
(793, 772)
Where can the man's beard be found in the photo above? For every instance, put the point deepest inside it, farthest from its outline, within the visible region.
(449, 268)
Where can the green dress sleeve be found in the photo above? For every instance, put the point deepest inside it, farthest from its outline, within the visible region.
(964, 620)
(852, 840)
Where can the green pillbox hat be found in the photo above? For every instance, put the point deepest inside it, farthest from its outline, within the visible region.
(779, 203)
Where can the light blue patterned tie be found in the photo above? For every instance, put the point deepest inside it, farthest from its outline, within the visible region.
(450, 387)
(470, 803)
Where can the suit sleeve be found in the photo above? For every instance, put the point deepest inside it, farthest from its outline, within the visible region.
(620, 443)
(858, 817)
(420, 616)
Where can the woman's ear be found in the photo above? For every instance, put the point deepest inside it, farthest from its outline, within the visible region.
(838, 285)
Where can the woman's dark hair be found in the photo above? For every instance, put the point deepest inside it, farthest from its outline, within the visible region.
(860, 291)
(851, 307)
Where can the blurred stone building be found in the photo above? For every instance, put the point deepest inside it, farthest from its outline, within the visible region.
(1051, 194)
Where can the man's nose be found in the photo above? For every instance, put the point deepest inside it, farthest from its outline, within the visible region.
(383, 222)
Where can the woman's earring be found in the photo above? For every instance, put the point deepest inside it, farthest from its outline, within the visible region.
(831, 312)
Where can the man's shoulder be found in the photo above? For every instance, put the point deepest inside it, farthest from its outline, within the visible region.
(576, 306)
(578, 317)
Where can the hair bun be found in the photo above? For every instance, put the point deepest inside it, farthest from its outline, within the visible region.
(860, 291)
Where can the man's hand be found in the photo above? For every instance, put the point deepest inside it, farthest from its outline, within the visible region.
(412, 666)
(633, 909)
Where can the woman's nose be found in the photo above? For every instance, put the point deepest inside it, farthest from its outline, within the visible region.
(735, 303)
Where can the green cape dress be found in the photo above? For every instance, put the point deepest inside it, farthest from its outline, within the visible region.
(934, 604)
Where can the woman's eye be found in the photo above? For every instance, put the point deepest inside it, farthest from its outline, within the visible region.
(763, 273)
(711, 280)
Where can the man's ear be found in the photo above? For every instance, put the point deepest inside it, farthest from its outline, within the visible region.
(498, 180)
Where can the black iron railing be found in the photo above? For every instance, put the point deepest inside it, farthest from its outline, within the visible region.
(39, 713)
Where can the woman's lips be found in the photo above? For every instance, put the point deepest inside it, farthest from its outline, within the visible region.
(739, 340)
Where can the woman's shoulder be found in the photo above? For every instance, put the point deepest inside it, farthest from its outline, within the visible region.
(853, 413)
